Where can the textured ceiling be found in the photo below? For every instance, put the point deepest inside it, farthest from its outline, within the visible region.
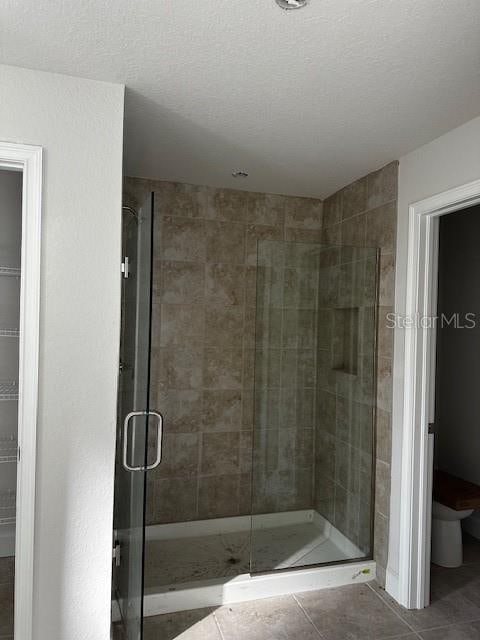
(305, 101)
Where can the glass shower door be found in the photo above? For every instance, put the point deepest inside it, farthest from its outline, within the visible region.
(313, 462)
(133, 417)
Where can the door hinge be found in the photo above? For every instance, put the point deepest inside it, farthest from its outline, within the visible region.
(431, 428)
(125, 267)
(116, 554)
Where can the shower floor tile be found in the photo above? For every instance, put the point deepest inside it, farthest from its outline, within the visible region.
(228, 554)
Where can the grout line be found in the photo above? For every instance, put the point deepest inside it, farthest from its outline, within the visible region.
(412, 629)
(446, 626)
(306, 615)
(222, 635)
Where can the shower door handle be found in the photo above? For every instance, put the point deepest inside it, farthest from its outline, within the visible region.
(159, 424)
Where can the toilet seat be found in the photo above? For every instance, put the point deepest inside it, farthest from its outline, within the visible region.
(454, 492)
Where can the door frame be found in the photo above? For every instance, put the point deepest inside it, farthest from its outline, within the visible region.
(28, 160)
(418, 374)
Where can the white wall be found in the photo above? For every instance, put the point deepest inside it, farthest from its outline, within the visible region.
(449, 161)
(79, 123)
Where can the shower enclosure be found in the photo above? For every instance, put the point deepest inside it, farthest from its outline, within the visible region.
(298, 422)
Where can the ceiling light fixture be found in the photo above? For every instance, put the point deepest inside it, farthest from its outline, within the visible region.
(291, 4)
(239, 174)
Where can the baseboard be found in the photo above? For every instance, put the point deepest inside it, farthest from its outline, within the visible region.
(392, 584)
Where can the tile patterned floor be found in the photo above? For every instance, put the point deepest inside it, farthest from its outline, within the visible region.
(354, 612)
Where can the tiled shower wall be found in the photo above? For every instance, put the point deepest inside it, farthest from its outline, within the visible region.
(364, 214)
(345, 390)
(203, 346)
(285, 375)
(205, 272)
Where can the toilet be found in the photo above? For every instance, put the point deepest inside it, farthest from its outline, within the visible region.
(453, 500)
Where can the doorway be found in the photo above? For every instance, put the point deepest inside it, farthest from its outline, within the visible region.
(456, 476)
(414, 459)
(21, 200)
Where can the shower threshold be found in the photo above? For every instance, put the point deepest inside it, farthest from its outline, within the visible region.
(206, 563)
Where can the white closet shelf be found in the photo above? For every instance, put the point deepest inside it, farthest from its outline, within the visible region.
(8, 391)
(10, 271)
(7, 507)
(9, 333)
(8, 449)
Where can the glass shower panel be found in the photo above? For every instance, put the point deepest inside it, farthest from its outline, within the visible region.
(314, 399)
(132, 438)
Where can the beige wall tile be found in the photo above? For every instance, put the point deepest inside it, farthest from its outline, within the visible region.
(172, 500)
(247, 409)
(381, 539)
(382, 185)
(303, 213)
(325, 455)
(332, 235)
(310, 236)
(266, 209)
(332, 209)
(218, 496)
(384, 435)
(354, 198)
(327, 408)
(256, 233)
(368, 210)
(353, 231)
(207, 225)
(248, 368)
(224, 326)
(222, 368)
(245, 494)
(182, 239)
(222, 410)
(267, 409)
(385, 333)
(382, 487)
(267, 368)
(181, 409)
(250, 286)
(225, 242)
(181, 282)
(228, 204)
(179, 324)
(295, 448)
(246, 452)
(387, 280)
(181, 367)
(180, 455)
(224, 284)
(381, 227)
(384, 384)
(220, 453)
(249, 327)
(175, 199)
